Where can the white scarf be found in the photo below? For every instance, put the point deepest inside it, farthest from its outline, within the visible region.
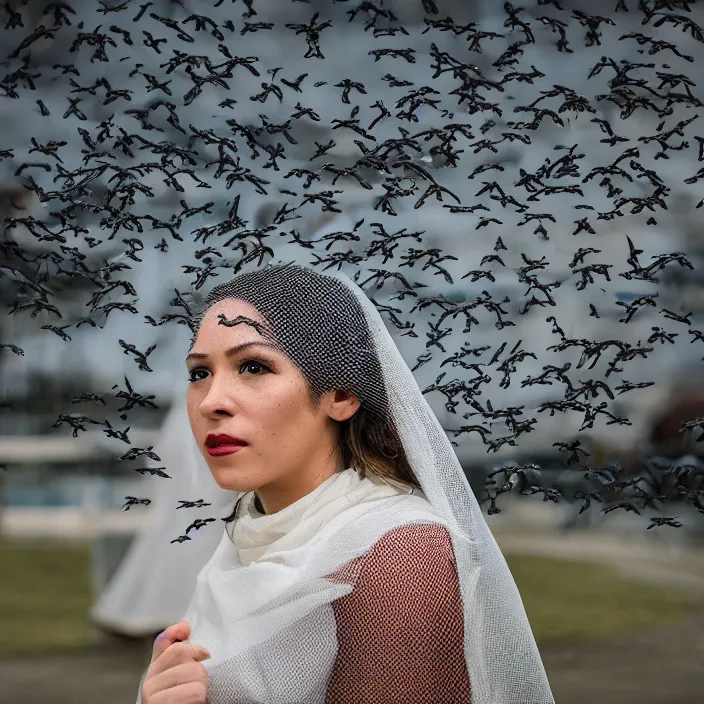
(267, 559)
(260, 537)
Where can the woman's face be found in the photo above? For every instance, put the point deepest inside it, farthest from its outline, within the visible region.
(243, 387)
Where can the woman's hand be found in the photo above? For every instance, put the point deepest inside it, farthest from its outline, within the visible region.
(176, 675)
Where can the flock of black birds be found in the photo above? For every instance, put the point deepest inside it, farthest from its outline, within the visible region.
(141, 126)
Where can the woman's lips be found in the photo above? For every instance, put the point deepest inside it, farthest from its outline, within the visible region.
(221, 444)
(220, 450)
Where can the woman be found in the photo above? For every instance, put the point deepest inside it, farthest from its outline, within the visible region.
(356, 565)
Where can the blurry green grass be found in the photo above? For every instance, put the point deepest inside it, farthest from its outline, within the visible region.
(571, 600)
(45, 597)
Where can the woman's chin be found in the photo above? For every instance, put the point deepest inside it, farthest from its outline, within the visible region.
(228, 479)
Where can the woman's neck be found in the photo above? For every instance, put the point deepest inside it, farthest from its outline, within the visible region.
(287, 490)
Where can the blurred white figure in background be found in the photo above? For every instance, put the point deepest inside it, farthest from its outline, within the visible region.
(154, 583)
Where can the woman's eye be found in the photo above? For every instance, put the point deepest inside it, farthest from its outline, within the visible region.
(197, 374)
(252, 367)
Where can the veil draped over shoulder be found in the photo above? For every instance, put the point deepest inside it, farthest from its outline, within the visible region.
(155, 581)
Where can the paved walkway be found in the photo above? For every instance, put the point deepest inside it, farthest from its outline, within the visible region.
(105, 675)
(664, 564)
(662, 666)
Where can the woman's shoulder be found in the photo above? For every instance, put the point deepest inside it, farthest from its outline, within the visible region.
(409, 576)
(415, 538)
(413, 552)
(401, 628)
(415, 561)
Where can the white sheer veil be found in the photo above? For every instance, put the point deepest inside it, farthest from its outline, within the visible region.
(155, 581)
(503, 661)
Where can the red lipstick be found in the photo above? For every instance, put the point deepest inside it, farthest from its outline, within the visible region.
(219, 445)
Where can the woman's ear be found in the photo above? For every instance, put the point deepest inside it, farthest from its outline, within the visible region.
(341, 405)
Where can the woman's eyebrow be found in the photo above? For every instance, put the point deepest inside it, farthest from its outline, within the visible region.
(232, 351)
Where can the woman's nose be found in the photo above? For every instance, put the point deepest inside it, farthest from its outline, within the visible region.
(218, 401)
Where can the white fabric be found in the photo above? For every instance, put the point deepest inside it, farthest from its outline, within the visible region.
(263, 604)
(155, 581)
(256, 535)
(270, 577)
(275, 561)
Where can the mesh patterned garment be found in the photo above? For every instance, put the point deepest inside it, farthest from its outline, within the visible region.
(388, 652)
